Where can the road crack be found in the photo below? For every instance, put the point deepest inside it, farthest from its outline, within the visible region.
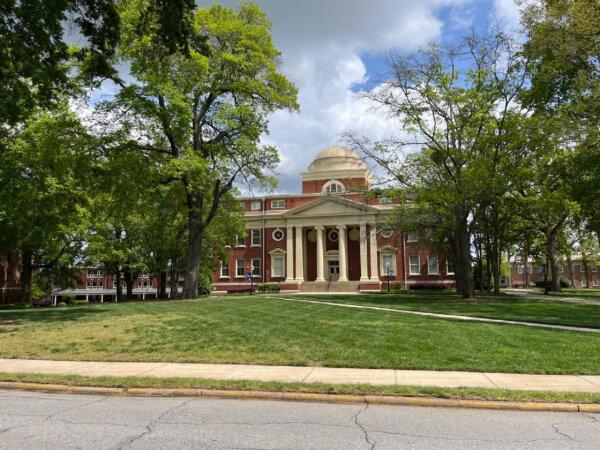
(362, 427)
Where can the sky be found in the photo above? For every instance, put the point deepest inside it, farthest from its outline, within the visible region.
(332, 49)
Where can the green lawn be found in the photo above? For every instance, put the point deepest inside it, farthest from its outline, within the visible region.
(551, 312)
(584, 293)
(268, 331)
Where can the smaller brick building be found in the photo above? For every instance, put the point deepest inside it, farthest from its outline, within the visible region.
(535, 273)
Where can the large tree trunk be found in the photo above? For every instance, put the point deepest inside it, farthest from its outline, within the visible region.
(462, 251)
(118, 285)
(196, 232)
(129, 280)
(552, 257)
(162, 284)
(26, 276)
(174, 281)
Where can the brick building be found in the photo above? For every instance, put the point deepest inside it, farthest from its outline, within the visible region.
(10, 276)
(327, 238)
(536, 273)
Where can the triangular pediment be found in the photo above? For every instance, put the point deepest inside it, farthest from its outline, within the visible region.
(331, 205)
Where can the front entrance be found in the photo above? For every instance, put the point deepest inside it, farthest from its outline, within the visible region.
(333, 270)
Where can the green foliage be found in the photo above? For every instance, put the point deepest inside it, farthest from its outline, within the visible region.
(268, 288)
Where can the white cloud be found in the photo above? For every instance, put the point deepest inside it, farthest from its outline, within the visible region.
(508, 11)
(321, 43)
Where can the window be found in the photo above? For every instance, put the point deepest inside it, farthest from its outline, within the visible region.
(277, 266)
(256, 238)
(384, 200)
(449, 267)
(415, 265)
(388, 264)
(561, 268)
(333, 235)
(239, 268)
(412, 236)
(333, 187)
(595, 280)
(594, 268)
(94, 273)
(256, 267)
(278, 204)
(520, 270)
(256, 206)
(224, 269)
(277, 235)
(145, 284)
(240, 240)
(433, 266)
(583, 283)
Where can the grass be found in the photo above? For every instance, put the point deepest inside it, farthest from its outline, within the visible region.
(259, 330)
(525, 310)
(348, 389)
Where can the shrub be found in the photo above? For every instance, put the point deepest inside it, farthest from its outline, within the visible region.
(564, 283)
(80, 302)
(242, 290)
(268, 288)
(61, 304)
(428, 287)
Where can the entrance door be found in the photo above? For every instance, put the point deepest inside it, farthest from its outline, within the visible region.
(334, 270)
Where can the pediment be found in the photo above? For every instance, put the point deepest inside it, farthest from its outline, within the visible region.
(330, 206)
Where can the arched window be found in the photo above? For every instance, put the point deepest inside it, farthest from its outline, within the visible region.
(333, 187)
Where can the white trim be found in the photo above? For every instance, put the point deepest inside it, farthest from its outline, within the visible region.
(243, 268)
(275, 231)
(259, 267)
(223, 263)
(330, 183)
(278, 203)
(333, 231)
(258, 235)
(257, 203)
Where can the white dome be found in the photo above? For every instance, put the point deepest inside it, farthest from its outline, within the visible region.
(336, 158)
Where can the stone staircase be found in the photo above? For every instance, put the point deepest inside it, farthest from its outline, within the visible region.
(326, 286)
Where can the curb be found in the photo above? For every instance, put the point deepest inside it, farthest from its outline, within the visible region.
(307, 397)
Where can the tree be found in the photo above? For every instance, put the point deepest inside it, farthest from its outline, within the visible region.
(44, 216)
(202, 113)
(458, 108)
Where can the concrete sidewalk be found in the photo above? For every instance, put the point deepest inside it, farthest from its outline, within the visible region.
(444, 379)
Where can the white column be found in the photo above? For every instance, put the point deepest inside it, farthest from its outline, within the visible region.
(343, 253)
(320, 253)
(364, 272)
(299, 255)
(86, 298)
(101, 298)
(373, 250)
(289, 255)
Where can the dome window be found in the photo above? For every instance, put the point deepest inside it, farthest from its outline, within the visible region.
(333, 187)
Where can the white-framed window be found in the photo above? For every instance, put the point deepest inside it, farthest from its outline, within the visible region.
(594, 268)
(449, 267)
(387, 233)
(595, 280)
(277, 234)
(520, 270)
(224, 269)
(333, 187)
(561, 268)
(412, 236)
(239, 268)
(384, 199)
(583, 283)
(145, 284)
(256, 267)
(433, 265)
(414, 265)
(256, 238)
(277, 265)
(240, 240)
(333, 235)
(278, 204)
(94, 273)
(256, 205)
(388, 262)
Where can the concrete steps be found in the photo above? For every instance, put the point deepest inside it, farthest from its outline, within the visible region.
(325, 286)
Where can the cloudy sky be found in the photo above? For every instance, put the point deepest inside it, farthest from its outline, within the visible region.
(333, 48)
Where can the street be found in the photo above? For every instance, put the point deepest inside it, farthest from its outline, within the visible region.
(40, 420)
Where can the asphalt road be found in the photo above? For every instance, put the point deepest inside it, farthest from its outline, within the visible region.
(57, 421)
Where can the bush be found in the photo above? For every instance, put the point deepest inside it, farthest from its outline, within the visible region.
(268, 288)
(244, 290)
(564, 283)
(80, 302)
(428, 287)
(61, 304)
